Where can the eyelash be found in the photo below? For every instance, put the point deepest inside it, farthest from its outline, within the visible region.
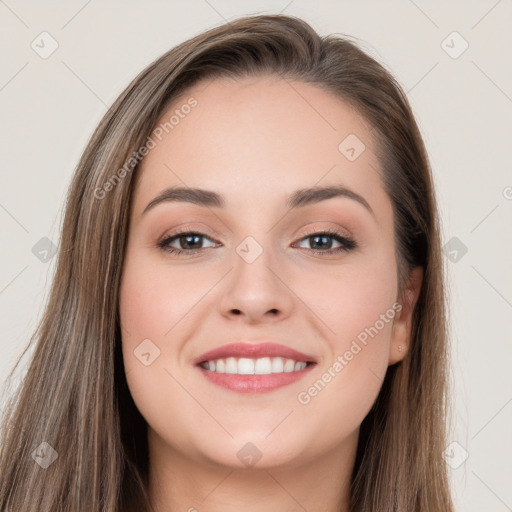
(347, 244)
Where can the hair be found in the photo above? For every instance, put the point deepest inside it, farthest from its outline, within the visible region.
(74, 395)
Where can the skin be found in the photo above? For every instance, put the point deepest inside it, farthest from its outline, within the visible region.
(255, 141)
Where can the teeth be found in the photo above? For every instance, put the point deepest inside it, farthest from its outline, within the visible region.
(260, 366)
(299, 366)
(245, 366)
(231, 365)
(289, 365)
(277, 365)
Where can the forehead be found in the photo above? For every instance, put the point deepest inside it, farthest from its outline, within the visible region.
(257, 139)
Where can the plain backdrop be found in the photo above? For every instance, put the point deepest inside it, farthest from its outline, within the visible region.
(452, 58)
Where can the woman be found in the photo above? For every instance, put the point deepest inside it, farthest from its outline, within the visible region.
(248, 309)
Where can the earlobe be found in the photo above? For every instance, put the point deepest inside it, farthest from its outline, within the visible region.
(402, 324)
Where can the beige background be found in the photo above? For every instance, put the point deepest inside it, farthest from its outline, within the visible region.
(49, 107)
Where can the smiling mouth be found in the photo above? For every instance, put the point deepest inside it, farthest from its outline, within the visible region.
(261, 375)
(254, 366)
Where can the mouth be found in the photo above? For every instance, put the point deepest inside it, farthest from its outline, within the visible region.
(249, 368)
(260, 366)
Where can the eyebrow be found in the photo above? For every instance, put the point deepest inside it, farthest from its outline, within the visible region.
(210, 199)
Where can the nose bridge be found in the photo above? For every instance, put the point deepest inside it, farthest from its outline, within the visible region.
(255, 287)
(254, 262)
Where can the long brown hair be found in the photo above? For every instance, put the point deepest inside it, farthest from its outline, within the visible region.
(75, 396)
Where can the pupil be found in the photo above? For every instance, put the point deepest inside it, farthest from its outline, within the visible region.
(190, 245)
(325, 243)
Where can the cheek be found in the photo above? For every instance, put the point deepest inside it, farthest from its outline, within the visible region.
(356, 306)
(351, 297)
(152, 302)
(154, 297)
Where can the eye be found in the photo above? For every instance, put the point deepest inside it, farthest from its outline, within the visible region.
(189, 242)
(323, 242)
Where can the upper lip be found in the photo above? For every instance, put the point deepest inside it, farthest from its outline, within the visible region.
(250, 350)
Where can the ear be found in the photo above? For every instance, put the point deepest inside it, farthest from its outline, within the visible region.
(402, 324)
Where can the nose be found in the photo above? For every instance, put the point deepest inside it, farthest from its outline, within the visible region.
(257, 292)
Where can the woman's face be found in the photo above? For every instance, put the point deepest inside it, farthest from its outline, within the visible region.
(258, 270)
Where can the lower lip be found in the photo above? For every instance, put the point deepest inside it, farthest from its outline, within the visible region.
(254, 383)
